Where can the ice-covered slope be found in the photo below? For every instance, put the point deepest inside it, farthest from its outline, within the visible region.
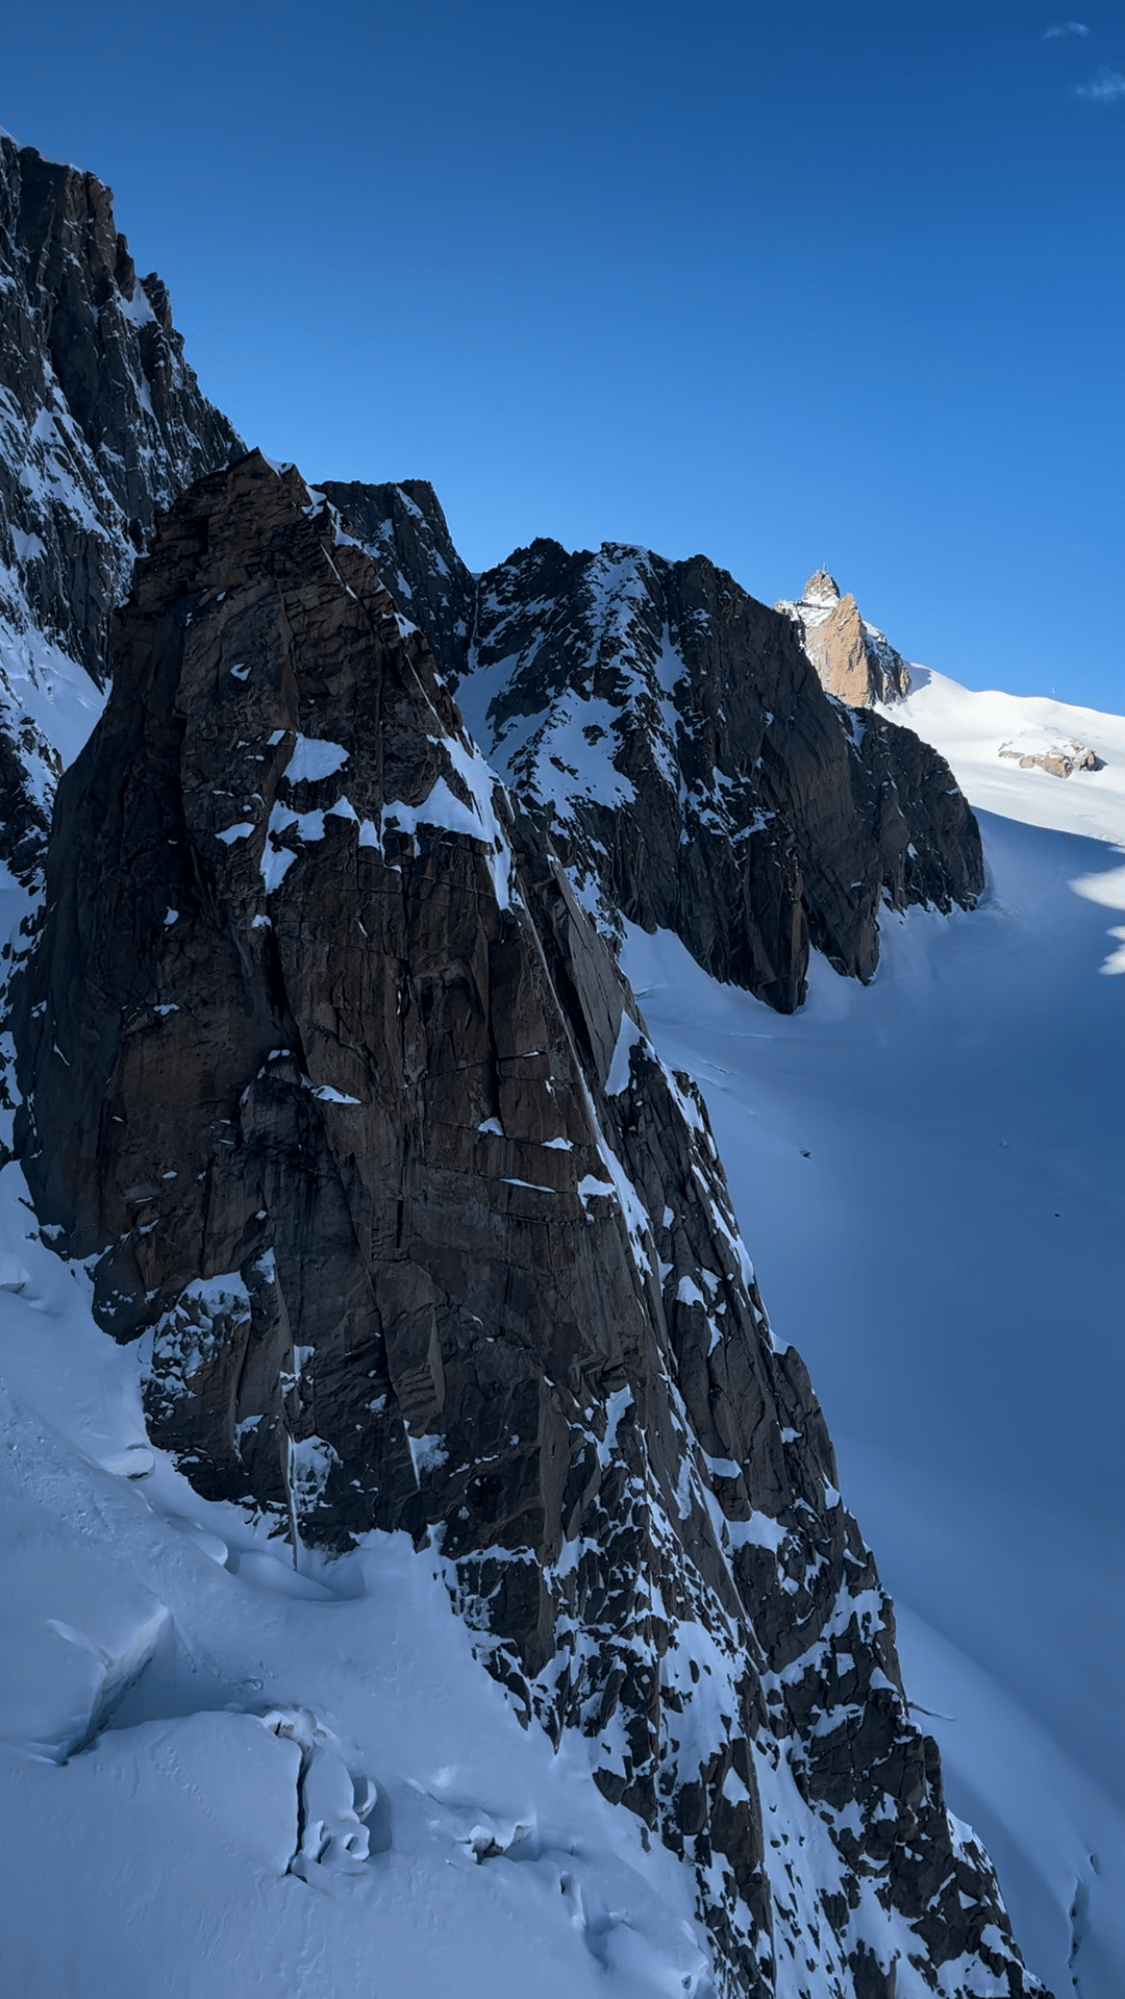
(211, 1841)
(932, 1171)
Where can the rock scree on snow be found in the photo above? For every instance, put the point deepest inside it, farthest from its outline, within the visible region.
(325, 1064)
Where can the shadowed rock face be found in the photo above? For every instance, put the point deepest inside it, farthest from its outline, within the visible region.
(101, 423)
(104, 422)
(402, 526)
(672, 736)
(323, 1060)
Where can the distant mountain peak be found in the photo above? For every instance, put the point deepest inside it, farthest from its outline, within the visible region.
(855, 661)
(821, 588)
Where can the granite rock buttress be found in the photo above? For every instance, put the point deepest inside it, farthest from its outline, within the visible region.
(326, 1066)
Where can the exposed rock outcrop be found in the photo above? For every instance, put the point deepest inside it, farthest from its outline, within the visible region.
(855, 661)
(671, 734)
(1058, 761)
(101, 423)
(404, 528)
(323, 1060)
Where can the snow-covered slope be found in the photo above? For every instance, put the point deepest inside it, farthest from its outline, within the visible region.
(949, 1140)
(971, 729)
(284, 1729)
(274, 1711)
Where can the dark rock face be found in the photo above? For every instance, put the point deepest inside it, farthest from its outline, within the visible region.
(101, 423)
(404, 528)
(674, 740)
(323, 1059)
(671, 734)
(922, 824)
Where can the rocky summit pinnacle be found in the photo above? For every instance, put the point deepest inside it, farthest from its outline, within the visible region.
(821, 588)
(326, 1067)
(855, 661)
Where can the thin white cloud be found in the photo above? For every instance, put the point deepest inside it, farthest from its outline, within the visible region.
(1104, 88)
(1058, 28)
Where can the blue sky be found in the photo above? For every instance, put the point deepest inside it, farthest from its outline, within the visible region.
(788, 283)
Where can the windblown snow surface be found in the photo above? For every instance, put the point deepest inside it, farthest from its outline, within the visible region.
(930, 1174)
(225, 1776)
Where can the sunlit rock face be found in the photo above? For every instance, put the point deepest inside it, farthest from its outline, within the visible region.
(854, 660)
(325, 1064)
(672, 737)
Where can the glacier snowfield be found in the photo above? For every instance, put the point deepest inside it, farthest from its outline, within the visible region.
(930, 1176)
